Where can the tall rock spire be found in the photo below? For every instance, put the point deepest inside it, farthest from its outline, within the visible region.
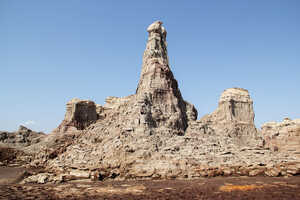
(155, 61)
(158, 87)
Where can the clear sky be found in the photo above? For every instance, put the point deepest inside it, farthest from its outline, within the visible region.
(53, 51)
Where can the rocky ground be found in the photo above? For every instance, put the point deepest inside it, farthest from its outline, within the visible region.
(205, 188)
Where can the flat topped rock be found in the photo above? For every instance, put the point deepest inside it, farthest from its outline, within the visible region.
(235, 94)
(235, 106)
(285, 123)
(78, 101)
(79, 115)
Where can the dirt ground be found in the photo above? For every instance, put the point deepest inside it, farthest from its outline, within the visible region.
(8, 155)
(205, 188)
(11, 174)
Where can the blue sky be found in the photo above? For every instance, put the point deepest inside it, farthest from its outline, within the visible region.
(52, 51)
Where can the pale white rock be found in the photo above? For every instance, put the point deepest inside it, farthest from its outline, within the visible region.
(39, 178)
(282, 136)
(235, 105)
(233, 118)
(80, 174)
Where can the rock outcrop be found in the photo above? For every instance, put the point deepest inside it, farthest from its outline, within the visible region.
(236, 106)
(282, 136)
(155, 133)
(234, 117)
(13, 145)
(23, 137)
(79, 115)
(158, 89)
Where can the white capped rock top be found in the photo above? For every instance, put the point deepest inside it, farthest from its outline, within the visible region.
(155, 26)
(235, 94)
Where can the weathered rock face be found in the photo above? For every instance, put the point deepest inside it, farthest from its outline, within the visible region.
(236, 106)
(21, 138)
(154, 133)
(79, 115)
(158, 89)
(234, 117)
(282, 136)
(12, 145)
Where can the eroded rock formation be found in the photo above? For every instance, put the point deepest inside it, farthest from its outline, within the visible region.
(234, 117)
(235, 105)
(155, 133)
(282, 136)
(21, 138)
(158, 89)
(12, 145)
(79, 115)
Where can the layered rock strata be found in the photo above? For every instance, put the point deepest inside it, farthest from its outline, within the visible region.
(282, 136)
(155, 133)
(234, 117)
(164, 105)
(79, 115)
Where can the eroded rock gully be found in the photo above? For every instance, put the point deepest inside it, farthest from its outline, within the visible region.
(155, 133)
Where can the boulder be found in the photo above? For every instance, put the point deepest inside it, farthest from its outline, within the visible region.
(273, 172)
(80, 174)
(41, 178)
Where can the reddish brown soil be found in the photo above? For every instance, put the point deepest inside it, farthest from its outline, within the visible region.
(8, 155)
(209, 188)
(11, 174)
